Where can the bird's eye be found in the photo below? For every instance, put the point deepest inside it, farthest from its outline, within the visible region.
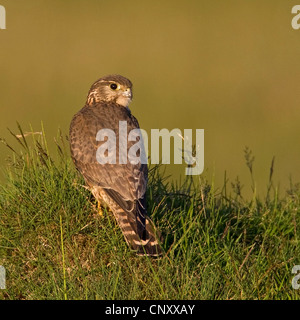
(113, 86)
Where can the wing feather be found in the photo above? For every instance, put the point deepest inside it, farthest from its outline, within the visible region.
(125, 183)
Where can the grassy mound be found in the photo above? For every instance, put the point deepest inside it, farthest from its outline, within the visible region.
(54, 245)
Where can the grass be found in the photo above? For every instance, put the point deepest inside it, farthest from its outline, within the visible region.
(218, 245)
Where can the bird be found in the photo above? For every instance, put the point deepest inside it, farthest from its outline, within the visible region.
(120, 187)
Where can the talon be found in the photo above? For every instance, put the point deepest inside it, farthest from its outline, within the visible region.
(100, 211)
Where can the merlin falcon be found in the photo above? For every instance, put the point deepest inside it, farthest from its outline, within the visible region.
(119, 186)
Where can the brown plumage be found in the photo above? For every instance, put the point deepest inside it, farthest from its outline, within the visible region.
(121, 187)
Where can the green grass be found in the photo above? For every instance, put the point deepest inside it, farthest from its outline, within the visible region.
(218, 245)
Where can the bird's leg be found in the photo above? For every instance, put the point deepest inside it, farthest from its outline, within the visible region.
(100, 211)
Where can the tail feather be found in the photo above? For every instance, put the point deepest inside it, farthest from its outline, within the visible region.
(149, 245)
(138, 230)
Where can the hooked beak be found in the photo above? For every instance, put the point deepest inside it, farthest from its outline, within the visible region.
(127, 93)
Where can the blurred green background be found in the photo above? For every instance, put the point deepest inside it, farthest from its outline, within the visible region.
(229, 67)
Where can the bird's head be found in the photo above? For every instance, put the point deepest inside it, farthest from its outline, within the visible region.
(111, 88)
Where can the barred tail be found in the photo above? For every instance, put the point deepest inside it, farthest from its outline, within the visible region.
(149, 245)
